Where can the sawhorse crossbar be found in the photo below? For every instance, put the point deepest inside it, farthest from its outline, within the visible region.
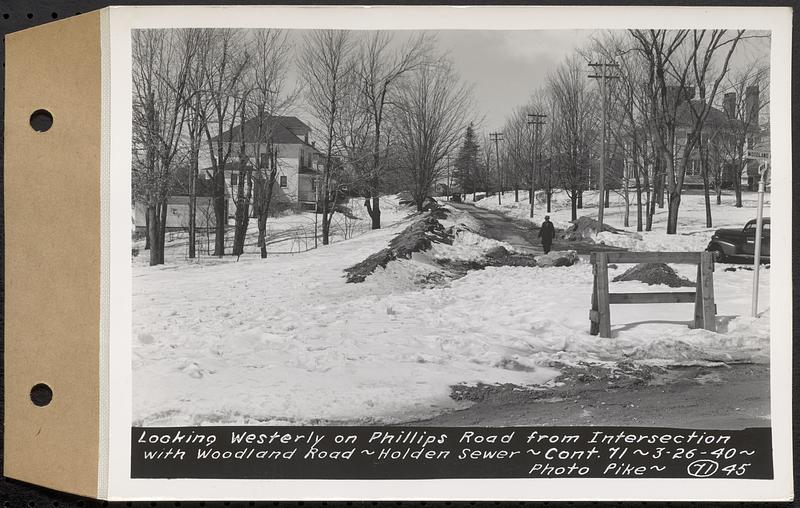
(705, 312)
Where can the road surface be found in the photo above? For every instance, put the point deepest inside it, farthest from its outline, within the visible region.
(521, 234)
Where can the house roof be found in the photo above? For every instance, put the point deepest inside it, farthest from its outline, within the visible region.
(286, 130)
(716, 119)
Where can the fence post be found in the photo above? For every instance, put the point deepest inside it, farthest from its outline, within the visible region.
(594, 315)
(698, 298)
(707, 277)
(602, 294)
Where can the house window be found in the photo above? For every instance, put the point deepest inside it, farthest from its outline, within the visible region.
(234, 179)
(313, 185)
(284, 181)
(264, 160)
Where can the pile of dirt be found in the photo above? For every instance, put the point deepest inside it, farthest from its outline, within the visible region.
(415, 238)
(585, 228)
(558, 258)
(654, 273)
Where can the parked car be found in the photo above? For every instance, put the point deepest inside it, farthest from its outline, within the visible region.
(730, 243)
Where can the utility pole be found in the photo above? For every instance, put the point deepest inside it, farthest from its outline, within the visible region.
(497, 137)
(759, 228)
(602, 77)
(537, 120)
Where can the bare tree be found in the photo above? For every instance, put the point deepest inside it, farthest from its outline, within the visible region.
(517, 146)
(269, 98)
(160, 69)
(574, 127)
(630, 124)
(327, 66)
(196, 101)
(749, 89)
(380, 71)
(226, 63)
(431, 115)
(675, 59)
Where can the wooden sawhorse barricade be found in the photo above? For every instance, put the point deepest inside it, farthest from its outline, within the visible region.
(703, 297)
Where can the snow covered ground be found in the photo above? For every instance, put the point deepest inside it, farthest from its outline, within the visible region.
(288, 233)
(287, 341)
(692, 233)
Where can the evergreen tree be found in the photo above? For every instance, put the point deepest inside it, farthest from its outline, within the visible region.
(467, 167)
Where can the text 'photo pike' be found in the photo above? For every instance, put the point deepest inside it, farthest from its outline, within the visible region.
(352, 227)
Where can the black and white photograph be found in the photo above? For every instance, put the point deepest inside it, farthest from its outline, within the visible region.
(453, 227)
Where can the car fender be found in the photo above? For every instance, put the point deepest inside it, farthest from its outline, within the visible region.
(727, 247)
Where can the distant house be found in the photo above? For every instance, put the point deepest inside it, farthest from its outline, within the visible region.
(297, 160)
(178, 205)
(720, 132)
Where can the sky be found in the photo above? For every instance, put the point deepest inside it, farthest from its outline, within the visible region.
(504, 67)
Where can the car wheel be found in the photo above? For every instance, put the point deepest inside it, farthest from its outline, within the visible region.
(717, 253)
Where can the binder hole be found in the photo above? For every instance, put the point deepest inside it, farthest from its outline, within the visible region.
(41, 395)
(41, 120)
(30, 15)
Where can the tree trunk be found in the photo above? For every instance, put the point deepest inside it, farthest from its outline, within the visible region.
(193, 209)
(516, 193)
(706, 195)
(375, 215)
(549, 195)
(147, 229)
(262, 234)
(240, 220)
(265, 201)
(162, 237)
(152, 234)
(573, 203)
(672, 219)
(220, 214)
(638, 207)
(626, 222)
(737, 182)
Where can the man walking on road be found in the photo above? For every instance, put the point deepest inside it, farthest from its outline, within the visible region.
(546, 233)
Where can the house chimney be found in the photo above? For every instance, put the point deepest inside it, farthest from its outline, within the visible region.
(751, 104)
(729, 105)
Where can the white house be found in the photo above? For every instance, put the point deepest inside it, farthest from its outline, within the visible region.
(297, 160)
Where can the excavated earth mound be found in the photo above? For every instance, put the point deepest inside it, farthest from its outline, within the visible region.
(415, 238)
(654, 273)
(585, 228)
